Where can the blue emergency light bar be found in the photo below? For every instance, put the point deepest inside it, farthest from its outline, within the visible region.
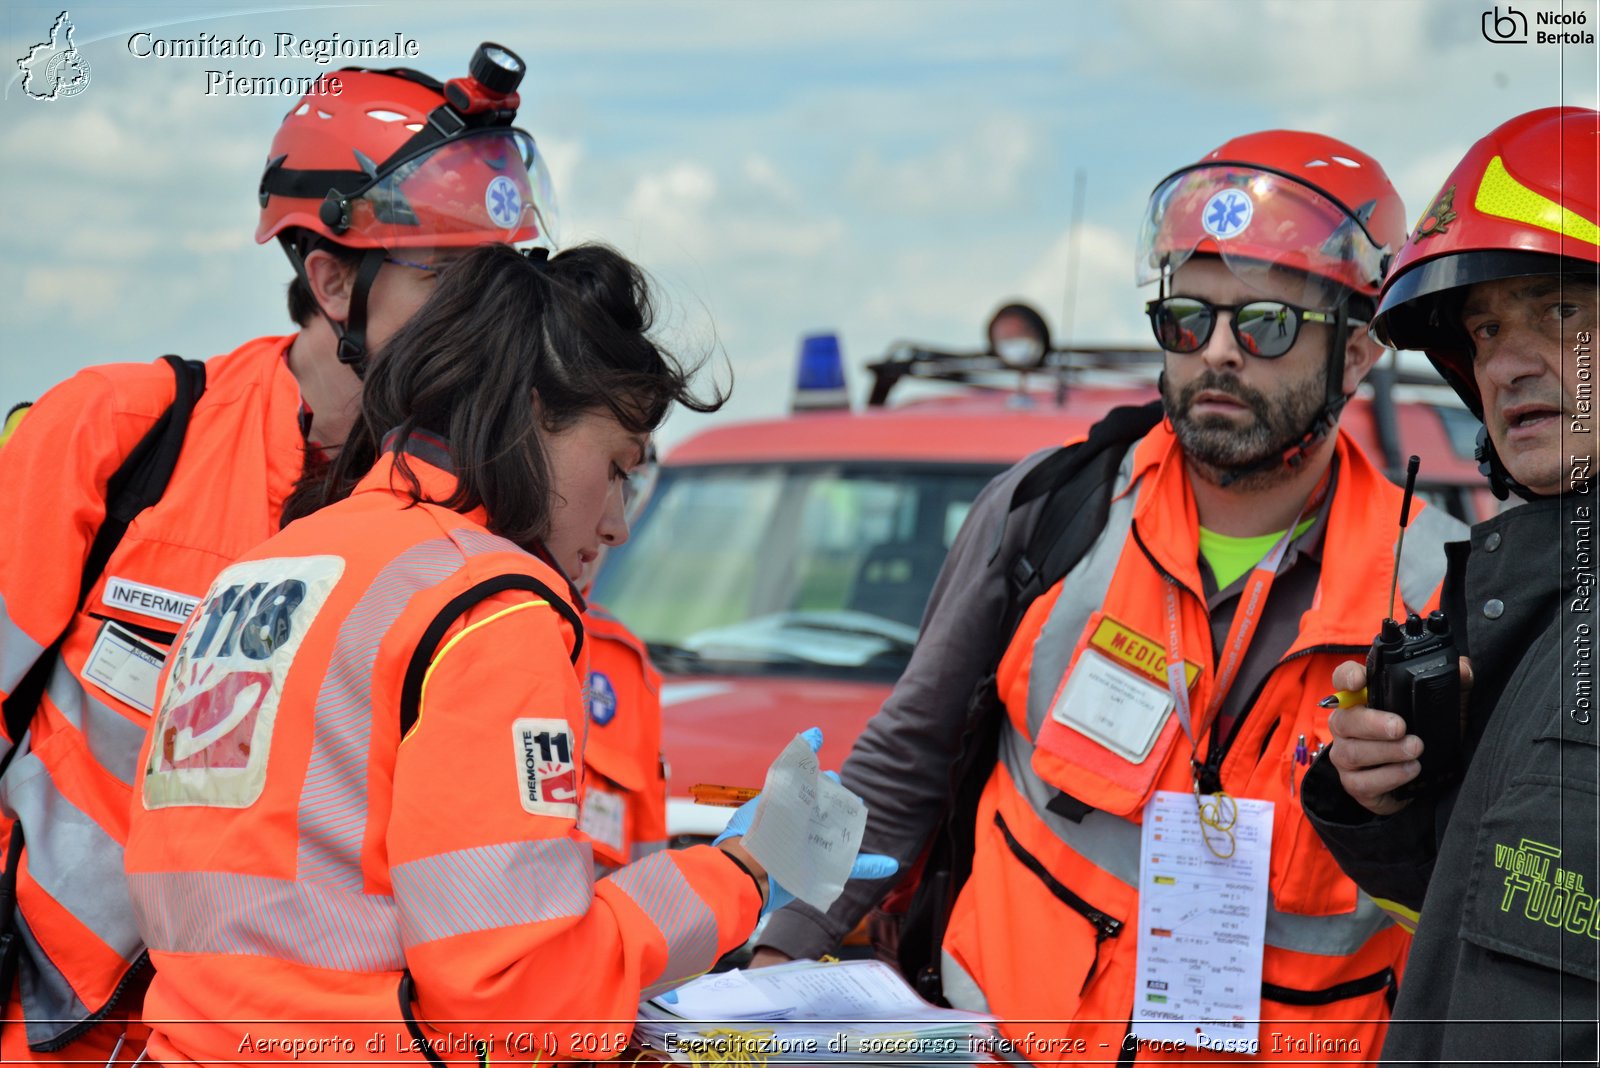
(820, 380)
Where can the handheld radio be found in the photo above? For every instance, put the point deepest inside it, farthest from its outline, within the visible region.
(1412, 671)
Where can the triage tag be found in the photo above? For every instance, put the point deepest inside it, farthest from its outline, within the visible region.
(125, 666)
(1202, 925)
(807, 828)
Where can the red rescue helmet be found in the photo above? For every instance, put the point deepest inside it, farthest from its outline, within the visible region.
(1279, 199)
(1524, 200)
(395, 159)
(389, 162)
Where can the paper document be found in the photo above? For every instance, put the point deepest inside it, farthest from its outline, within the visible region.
(1202, 924)
(858, 1011)
(808, 828)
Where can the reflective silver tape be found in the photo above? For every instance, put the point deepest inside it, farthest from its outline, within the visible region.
(18, 651)
(490, 887)
(225, 913)
(1083, 592)
(113, 739)
(684, 919)
(1111, 844)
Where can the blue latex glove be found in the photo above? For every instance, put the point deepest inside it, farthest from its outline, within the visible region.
(866, 866)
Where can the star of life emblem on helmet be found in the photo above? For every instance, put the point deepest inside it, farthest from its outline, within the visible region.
(503, 202)
(1226, 214)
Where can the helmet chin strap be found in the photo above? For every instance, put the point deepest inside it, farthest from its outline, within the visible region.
(352, 333)
(1501, 484)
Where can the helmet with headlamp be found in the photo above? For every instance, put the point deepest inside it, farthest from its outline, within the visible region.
(398, 160)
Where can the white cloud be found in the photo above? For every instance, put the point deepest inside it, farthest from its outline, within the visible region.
(971, 167)
(72, 289)
(667, 209)
(1107, 305)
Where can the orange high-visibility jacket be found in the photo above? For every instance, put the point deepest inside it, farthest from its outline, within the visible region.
(625, 794)
(296, 865)
(1045, 932)
(82, 958)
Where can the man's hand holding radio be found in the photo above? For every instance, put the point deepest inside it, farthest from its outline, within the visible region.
(1371, 750)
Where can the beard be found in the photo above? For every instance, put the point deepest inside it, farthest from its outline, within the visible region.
(1217, 445)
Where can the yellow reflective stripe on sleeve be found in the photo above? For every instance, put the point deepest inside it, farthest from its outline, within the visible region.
(1406, 918)
(1501, 195)
(427, 676)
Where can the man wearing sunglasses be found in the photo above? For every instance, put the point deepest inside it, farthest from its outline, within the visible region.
(1498, 865)
(1171, 680)
(368, 190)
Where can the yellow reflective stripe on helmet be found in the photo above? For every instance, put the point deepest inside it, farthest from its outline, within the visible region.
(1502, 195)
(1406, 918)
(12, 422)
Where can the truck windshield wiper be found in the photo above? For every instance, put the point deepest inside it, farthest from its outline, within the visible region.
(674, 659)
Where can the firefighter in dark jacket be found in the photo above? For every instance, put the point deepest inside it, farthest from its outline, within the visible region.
(1497, 871)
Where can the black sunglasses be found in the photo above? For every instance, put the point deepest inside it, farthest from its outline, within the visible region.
(1263, 328)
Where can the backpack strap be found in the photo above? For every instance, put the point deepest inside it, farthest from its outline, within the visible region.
(136, 484)
(1076, 482)
(422, 656)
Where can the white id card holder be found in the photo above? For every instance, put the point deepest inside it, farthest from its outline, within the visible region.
(1121, 710)
(125, 666)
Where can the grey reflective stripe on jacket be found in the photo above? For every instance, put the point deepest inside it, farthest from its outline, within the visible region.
(1111, 844)
(70, 856)
(1083, 591)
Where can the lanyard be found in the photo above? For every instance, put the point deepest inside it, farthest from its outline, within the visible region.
(1251, 603)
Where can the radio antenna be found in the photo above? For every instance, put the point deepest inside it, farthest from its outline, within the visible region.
(1405, 517)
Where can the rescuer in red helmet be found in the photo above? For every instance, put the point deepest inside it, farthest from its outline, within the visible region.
(370, 191)
(1496, 868)
(1132, 634)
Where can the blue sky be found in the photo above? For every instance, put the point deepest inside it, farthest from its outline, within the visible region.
(889, 169)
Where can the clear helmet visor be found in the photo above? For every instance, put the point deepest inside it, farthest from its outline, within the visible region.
(1278, 236)
(486, 187)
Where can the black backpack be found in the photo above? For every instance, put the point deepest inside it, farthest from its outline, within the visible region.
(1076, 482)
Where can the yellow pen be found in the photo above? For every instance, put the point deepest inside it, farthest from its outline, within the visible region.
(1345, 698)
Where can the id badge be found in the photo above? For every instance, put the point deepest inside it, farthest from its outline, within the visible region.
(604, 817)
(125, 666)
(1119, 709)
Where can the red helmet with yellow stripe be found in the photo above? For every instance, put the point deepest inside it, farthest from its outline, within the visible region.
(1525, 200)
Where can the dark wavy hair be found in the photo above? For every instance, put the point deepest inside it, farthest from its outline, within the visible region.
(502, 326)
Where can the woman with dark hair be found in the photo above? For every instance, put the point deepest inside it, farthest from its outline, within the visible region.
(358, 800)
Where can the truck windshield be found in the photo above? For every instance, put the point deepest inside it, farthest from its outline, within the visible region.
(819, 569)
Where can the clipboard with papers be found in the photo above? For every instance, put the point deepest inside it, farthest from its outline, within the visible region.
(808, 1012)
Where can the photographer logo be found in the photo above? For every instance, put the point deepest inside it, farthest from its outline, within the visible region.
(1509, 28)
